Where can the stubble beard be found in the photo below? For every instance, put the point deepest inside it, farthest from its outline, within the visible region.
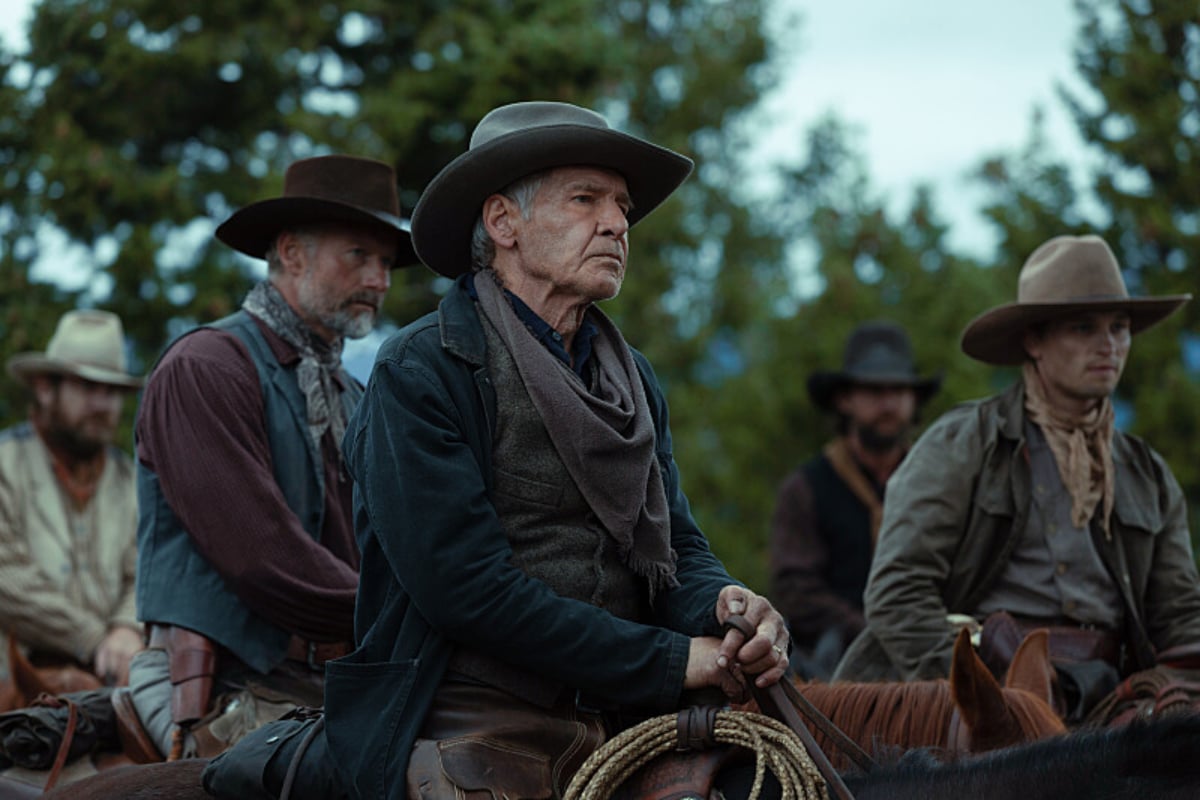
(342, 320)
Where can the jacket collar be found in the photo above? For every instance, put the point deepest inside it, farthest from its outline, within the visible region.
(1011, 412)
(458, 322)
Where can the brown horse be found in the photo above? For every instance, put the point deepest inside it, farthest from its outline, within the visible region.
(969, 713)
(25, 681)
(878, 716)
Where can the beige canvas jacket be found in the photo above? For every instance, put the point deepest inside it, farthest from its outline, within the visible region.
(65, 577)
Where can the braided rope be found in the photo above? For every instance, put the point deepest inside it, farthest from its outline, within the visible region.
(775, 747)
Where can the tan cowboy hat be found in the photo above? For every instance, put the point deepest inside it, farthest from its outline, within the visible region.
(323, 189)
(86, 344)
(879, 354)
(520, 139)
(1066, 274)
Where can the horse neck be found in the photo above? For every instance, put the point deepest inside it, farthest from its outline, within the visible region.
(885, 715)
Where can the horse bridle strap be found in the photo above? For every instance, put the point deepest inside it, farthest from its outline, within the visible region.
(60, 758)
(774, 702)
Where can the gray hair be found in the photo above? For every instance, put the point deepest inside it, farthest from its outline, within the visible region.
(522, 192)
(307, 233)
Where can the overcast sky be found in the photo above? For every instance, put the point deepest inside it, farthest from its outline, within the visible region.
(932, 86)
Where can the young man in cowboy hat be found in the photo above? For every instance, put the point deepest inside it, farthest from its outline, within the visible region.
(828, 510)
(248, 566)
(532, 578)
(68, 509)
(1029, 509)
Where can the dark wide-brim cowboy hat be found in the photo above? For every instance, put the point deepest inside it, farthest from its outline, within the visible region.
(87, 344)
(1064, 276)
(520, 139)
(877, 354)
(323, 189)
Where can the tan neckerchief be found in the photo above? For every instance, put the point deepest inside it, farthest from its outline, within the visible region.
(1082, 448)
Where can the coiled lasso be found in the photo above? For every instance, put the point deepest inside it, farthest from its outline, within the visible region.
(775, 747)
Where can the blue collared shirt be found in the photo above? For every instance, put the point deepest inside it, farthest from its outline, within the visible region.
(551, 339)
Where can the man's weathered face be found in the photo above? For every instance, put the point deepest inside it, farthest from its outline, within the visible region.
(881, 415)
(1080, 358)
(77, 415)
(345, 271)
(575, 243)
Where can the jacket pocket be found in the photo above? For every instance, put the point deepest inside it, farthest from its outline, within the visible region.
(368, 703)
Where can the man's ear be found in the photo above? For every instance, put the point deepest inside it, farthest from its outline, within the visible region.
(43, 390)
(291, 249)
(1031, 340)
(501, 219)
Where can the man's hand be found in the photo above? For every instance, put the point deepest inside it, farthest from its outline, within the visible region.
(703, 670)
(114, 653)
(765, 654)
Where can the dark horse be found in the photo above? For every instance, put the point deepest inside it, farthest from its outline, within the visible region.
(877, 715)
(1159, 760)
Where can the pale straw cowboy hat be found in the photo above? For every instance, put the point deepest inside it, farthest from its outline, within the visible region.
(333, 188)
(1066, 275)
(877, 354)
(86, 344)
(520, 139)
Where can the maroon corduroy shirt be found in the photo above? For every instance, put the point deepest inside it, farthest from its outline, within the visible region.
(201, 429)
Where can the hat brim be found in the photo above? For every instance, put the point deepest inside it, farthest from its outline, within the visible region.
(23, 366)
(446, 213)
(997, 336)
(823, 386)
(252, 230)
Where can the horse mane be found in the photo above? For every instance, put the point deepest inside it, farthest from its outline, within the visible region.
(884, 715)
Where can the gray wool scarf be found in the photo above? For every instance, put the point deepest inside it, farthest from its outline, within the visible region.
(320, 361)
(605, 439)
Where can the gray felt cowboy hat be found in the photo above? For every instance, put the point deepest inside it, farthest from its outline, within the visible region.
(332, 188)
(1067, 274)
(86, 344)
(879, 354)
(520, 139)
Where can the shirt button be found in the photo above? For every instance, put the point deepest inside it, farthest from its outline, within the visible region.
(1061, 568)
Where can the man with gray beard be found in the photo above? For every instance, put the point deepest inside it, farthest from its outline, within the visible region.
(248, 566)
(828, 510)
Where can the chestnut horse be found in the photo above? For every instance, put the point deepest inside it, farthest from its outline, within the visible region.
(968, 713)
(25, 681)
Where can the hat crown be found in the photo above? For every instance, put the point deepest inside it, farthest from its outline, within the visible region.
(879, 349)
(517, 117)
(1070, 269)
(349, 180)
(89, 338)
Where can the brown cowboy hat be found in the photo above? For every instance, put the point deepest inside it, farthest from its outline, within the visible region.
(877, 353)
(86, 344)
(1066, 274)
(323, 189)
(520, 139)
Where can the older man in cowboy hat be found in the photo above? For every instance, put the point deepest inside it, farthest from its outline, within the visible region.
(1029, 509)
(248, 565)
(827, 511)
(532, 577)
(68, 509)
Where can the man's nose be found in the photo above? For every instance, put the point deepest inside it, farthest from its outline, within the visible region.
(378, 276)
(613, 221)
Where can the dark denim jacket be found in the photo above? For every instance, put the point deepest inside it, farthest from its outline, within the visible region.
(435, 561)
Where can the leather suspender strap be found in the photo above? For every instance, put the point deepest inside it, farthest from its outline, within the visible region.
(847, 469)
